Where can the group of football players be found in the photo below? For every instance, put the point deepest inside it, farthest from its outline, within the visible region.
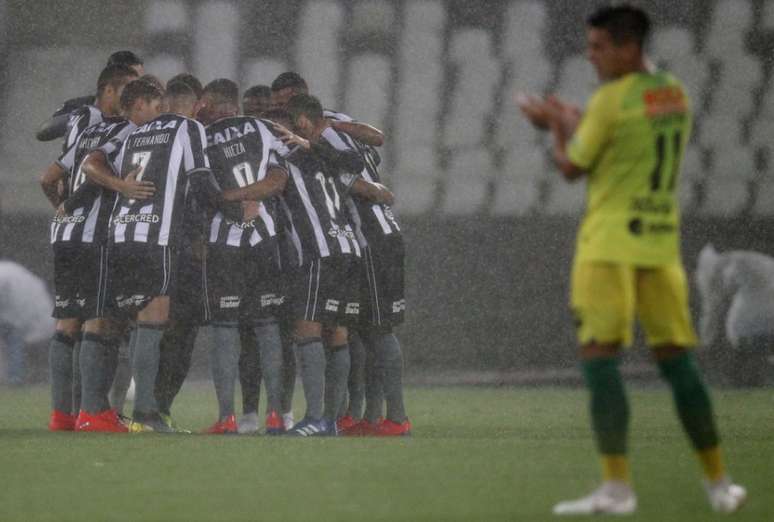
(180, 206)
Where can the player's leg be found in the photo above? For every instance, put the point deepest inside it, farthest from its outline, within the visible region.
(61, 350)
(151, 324)
(175, 352)
(224, 363)
(663, 305)
(288, 373)
(249, 378)
(99, 357)
(267, 333)
(123, 377)
(603, 304)
(337, 364)
(353, 412)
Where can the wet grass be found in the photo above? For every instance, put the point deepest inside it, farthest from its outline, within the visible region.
(477, 454)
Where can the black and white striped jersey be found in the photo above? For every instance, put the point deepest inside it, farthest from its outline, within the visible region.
(168, 150)
(241, 150)
(311, 205)
(78, 121)
(88, 207)
(372, 221)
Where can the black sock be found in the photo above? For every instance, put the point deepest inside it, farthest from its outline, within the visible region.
(176, 349)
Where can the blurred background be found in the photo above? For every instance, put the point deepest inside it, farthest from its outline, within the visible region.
(489, 225)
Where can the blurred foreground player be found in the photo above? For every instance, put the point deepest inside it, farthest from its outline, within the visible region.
(629, 144)
(737, 303)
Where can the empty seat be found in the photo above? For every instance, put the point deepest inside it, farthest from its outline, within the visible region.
(565, 199)
(425, 15)
(731, 163)
(463, 196)
(415, 196)
(372, 17)
(671, 43)
(415, 162)
(688, 197)
(718, 130)
(767, 19)
(368, 88)
(764, 199)
(731, 20)
(524, 30)
(262, 71)
(577, 80)
(166, 65)
(762, 134)
(216, 46)
(725, 198)
(692, 167)
(317, 48)
(515, 198)
(166, 16)
(526, 163)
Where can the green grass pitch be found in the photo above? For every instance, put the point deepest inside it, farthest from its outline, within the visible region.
(477, 454)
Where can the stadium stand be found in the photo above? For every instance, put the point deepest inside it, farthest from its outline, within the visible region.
(317, 57)
(164, 21)
(216, 46)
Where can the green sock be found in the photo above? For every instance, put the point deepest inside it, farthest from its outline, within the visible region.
(691, 400)
(609, 407)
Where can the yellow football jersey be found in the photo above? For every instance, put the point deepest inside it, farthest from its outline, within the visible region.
(631, 141)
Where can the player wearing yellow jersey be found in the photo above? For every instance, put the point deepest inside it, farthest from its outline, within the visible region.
(629, 144)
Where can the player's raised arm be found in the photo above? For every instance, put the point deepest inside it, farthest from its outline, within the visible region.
(49, 183)
(362, 132)
(271, 185)
(375, 192)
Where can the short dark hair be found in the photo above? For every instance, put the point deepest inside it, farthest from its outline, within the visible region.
(289, 79)
(305, 105)
(127, 58)
(114, 75)
(257, 91)
(190, 80)
(277, 115)
(625, 23)
(223, 90)
(139, 89)
(153, 80)
(178, 88)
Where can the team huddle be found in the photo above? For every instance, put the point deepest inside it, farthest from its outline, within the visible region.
(178, 208)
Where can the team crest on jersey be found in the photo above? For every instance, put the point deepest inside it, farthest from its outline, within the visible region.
(399, 306)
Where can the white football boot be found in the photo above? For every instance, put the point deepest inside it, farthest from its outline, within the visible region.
(725, 496)
(248, 423)
(287, 420)
(611, 498)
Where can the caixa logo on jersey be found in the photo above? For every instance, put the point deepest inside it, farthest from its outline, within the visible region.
(128, 219)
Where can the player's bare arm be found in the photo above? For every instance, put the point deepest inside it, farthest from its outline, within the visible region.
(49, 183)
(375, 192)
(289, 138)
(362, 132)
(98, 171)
(271, 185)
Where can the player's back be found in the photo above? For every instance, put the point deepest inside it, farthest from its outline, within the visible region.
(631, 142)
(166, 150)
(241, 150)
(312, 206)
(88, 205)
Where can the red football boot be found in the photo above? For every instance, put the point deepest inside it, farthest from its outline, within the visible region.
(60, 421)
(361, 428)
(226, 426)
(103, 422)
(390, 428)
(345, 422)
(274, 424)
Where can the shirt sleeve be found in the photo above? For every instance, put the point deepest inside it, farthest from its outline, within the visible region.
(594, 131)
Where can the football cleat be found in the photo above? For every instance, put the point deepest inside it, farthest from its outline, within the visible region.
(361, 428)
(274, 424)
(389, 428)
(611, 498)
(60, 421)
(725, 496)
(149, 423)
(225, 426)
(248, 423)
(345, 422)
(103, 422)
(307, 427)
(287, 420)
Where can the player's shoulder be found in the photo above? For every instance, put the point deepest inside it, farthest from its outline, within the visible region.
(335, 115)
